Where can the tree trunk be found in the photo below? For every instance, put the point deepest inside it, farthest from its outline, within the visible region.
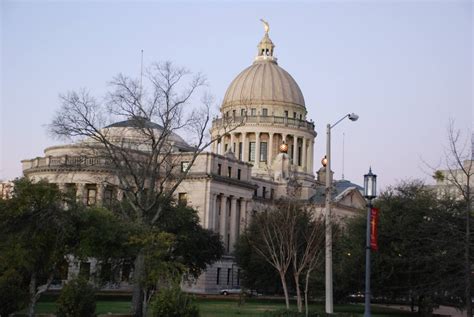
(285, 290)
(306, 286)
(145, 303)
(32, 302)
(137, 293)
(299, 302)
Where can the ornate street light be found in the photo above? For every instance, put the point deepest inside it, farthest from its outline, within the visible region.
(370, 192)
(326, 161)
(370, 185)
(283, 147)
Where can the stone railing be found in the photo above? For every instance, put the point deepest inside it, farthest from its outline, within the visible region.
(66, 161)
(274, 120)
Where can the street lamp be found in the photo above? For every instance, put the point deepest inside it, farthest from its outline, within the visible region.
(327, 216)
(370, 192)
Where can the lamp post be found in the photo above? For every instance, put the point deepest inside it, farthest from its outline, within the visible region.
(370, 192)
(327, 215)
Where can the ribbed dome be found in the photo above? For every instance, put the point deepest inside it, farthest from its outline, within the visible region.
(263, 83)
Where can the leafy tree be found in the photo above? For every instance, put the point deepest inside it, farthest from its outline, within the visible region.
(170, 302)
(39, 227)
(77, 299)
(176, 247)
(420, 249)
(36, 231)
(13, 290)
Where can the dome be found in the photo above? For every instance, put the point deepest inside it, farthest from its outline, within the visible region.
(134, 131)
(264, 83)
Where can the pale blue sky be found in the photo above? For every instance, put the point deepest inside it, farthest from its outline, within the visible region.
(405, 67)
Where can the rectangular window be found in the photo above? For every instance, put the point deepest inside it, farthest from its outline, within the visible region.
(85, 270)
(255, 192)
(182, 199)
(126, 270)
(226, 147)
(233, 147)
(238, 276)
(184, 166)
(252, 151)
(299, 155)
(218, 275)
(294, 115)
(286, 113)
(253, 112)
(239, 171)
(263, 151)
(219, 167)
(229, 272)
(229, 171)
(71, 189)
(240, 151)
(301, 117)
(91, 196)
(242, 112)
(264, 192)
(227, 114)
(264, 112)
(234, 113)
(108, 194)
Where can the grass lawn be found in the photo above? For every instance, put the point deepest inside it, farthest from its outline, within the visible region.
(227, 307)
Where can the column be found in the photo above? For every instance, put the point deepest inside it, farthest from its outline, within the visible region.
(119, 194)
(232, 140)
(243, 215)
(304, 155)
(223, 220)
(311, 155)
(244, 147)
(233, 223)
(295, 150)
(100, 194)
(62, 187)
(81, 193)
(257, 149)
(213, 213)
(270, 149)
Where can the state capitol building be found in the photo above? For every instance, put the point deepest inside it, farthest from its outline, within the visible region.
(266, 156)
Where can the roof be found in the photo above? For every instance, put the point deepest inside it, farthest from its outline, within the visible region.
(125, 130)
(340, 189)
(264, 82)
(137, 122)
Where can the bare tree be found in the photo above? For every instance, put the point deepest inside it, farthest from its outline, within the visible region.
(288, 236)
(272, 235)
(309, 243)
(145, 156)
(459, 161)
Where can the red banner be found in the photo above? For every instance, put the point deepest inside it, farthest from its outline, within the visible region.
(374, 220)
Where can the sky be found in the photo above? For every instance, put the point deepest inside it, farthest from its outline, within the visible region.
(405, 67)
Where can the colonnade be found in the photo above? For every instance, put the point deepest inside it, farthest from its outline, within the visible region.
(232, 141)
(228, 215)
(95, 198)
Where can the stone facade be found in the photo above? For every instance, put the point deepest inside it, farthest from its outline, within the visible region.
(265, 152)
